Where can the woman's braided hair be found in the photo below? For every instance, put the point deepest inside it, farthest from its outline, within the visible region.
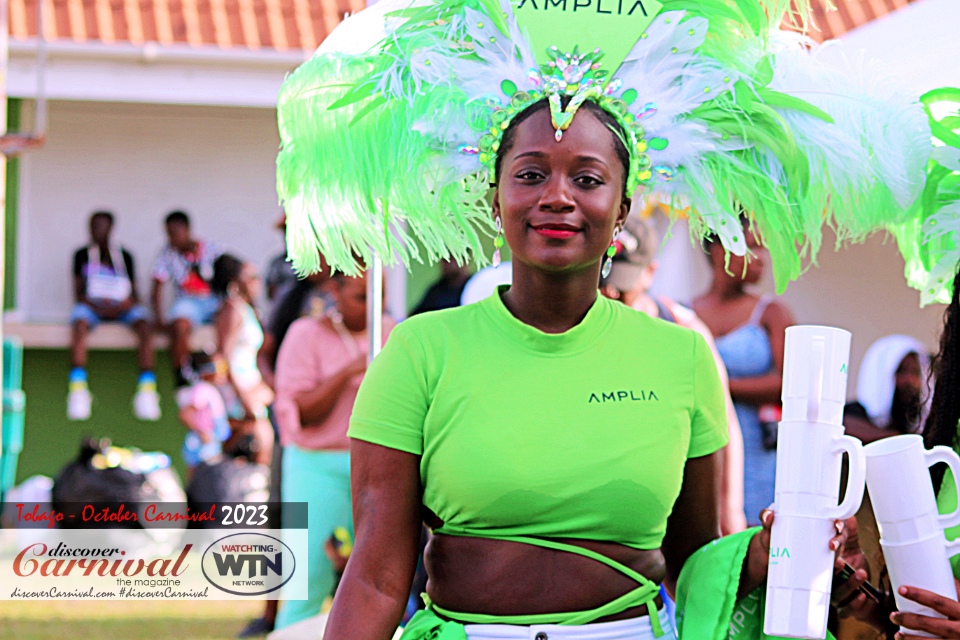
(941, 427)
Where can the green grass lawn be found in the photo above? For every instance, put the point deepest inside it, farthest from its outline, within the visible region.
(135, 620)
(51, 441)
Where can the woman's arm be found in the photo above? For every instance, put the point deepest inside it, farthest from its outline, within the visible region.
(317, 404)
(865, 430)
(373, 594)
(266, 356)
(766, 388)
(694, 520)
(732, 516)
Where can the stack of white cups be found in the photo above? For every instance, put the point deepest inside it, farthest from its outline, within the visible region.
(810, 446)
(911, 530)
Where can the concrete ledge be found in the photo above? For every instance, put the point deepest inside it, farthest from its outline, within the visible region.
(106, 336)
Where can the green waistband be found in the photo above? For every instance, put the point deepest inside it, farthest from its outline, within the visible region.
(645, 594)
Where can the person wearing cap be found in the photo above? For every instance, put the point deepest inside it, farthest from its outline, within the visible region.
(892, 394)
(632, 272)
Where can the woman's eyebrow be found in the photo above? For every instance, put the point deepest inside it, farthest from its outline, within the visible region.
(579, 158)
(589, 158)
(530, 154)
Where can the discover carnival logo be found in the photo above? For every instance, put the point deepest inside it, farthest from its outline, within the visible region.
(248, 564)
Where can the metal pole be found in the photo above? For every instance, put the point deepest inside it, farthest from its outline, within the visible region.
(4, 53)
(374, 306)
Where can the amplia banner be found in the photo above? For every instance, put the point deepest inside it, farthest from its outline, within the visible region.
(144, 551)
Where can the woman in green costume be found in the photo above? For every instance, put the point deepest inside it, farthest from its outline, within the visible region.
(561, 446)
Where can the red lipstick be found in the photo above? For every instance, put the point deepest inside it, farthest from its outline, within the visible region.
(556, 231)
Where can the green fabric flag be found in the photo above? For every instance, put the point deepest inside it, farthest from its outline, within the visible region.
(613, 26)
(707, 605)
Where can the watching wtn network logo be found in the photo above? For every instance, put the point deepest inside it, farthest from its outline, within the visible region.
(248, 564)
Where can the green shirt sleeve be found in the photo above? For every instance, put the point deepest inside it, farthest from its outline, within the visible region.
(947, 503)
(708, 424)
(392, 401)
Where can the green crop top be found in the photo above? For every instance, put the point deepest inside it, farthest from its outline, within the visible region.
(579, 435)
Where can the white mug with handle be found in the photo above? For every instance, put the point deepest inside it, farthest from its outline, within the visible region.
(924, 564)
(810, 448)
(915, 549)
(898, 479)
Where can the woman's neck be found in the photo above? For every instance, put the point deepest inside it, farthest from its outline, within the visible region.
(551, 302)
(238, 298)
(336, 319)
(726, 288)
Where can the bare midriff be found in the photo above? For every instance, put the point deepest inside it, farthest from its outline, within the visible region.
(497, 577)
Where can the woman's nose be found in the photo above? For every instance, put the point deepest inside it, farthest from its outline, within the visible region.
(556, 195)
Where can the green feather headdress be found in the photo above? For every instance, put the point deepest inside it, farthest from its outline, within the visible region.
(930, 239)
(391, 130)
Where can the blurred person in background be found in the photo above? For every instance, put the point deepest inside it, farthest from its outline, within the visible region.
(907, 358)
(187, 264)
(279, 276)
(631, 275)
(309, 296)
(202, 410)
(892, 394)
(105, 290)
(319, 369)
(445, 292)
(749, 333)
(484, 283)
(239, 338)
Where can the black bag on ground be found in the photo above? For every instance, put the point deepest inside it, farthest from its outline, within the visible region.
(80, 483)
(227, 480)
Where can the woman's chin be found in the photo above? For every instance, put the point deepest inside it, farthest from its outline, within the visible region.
(558, 262)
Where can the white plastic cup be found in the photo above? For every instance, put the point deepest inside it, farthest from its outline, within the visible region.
(898, 479)
(810, 446)
(924, 564)
(815, 366)
(799, 578)
(808, 471)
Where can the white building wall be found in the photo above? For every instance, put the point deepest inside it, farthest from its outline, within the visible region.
(917, 45)
(142, 161)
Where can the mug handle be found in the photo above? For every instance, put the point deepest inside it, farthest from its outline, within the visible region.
(948, 456)
(856, 478)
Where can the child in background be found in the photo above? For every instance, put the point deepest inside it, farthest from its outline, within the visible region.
(203, 411)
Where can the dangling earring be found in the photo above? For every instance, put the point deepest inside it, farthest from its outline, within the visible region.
(611, 251)
(497, 243)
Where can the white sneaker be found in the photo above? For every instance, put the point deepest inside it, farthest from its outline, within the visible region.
(146, 405)
(79, 404)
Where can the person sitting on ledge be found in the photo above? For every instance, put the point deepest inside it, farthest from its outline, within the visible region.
(105, 290)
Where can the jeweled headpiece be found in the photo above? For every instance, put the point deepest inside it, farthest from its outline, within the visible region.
(390, 132)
